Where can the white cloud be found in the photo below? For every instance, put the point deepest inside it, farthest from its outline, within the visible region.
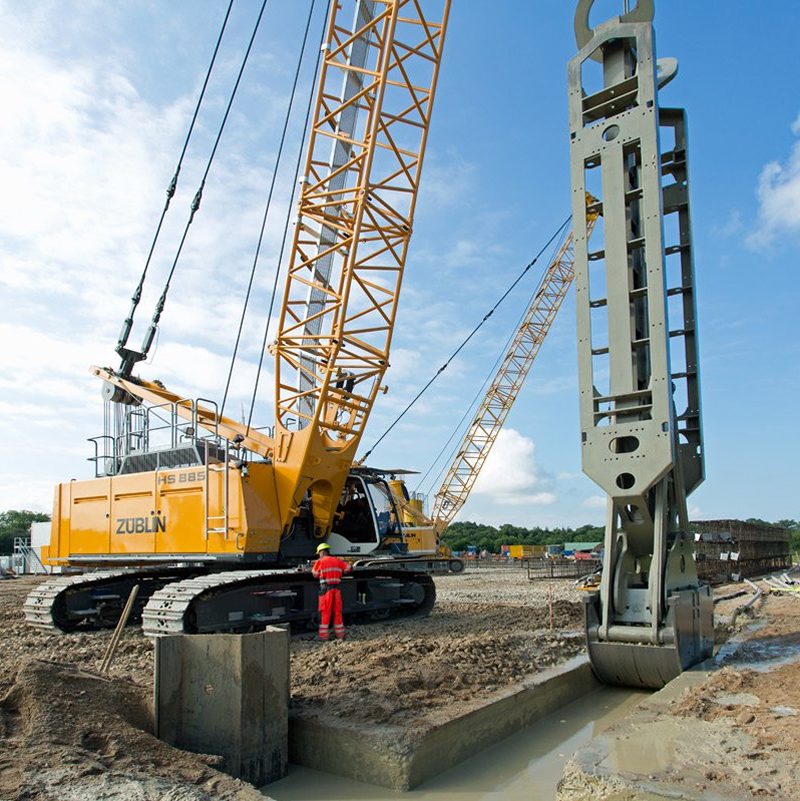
(510, 475)
(778, 194)
(36, 495)
(88, 149)
(732, 226)
(447, 180)
(541, 499)
(196, 370)
(566, 476)
(594, 502)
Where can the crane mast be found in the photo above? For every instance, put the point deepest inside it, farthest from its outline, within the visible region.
(641, 433)
(350, 242)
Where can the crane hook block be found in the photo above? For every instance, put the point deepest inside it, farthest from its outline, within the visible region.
(644, 11)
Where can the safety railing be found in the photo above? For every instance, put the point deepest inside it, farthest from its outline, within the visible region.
(25, 559)
(154, 429)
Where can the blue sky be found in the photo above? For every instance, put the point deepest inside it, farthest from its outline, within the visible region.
(95, 101)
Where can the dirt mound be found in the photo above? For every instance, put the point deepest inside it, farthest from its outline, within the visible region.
(134, 657)
(756, 698)
(766, 703)
(91, 741)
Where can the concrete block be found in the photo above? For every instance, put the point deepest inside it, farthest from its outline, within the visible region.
(227, 694)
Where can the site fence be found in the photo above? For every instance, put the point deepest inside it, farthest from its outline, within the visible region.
(561, 568)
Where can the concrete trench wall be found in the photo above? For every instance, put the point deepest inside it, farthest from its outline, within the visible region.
(402, 758)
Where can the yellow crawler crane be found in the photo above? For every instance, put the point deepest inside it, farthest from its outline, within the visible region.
(221, 495)
(497, 402)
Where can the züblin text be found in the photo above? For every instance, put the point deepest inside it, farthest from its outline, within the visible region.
(141, 525)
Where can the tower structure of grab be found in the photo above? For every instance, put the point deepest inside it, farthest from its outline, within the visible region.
(641, 432)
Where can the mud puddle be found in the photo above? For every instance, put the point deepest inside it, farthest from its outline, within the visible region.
(756, 648)
(762, 656)
(524, 767)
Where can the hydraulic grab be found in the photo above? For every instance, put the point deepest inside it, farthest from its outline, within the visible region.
(637, 349)
(219, 514)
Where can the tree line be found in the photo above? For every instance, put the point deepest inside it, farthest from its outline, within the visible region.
(459, 536)
(17, 523)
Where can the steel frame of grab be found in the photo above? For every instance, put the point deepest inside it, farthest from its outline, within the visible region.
(651, 618)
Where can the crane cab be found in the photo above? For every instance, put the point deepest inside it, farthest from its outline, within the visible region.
(375, 519)
(366, 520)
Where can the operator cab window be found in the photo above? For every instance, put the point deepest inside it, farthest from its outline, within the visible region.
(355, 519)
(384, 510)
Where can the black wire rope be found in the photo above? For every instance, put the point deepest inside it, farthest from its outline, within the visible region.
(468, 338)
(491, 373)
(267, 207)
(173, 185)
(148, 340)
(289, 210)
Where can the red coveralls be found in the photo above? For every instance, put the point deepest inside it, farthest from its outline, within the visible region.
(328, 569)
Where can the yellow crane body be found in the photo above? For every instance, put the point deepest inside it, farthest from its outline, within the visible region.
(155, 517)
(223, 492)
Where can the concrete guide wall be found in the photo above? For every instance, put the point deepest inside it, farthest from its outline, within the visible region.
(403, 758)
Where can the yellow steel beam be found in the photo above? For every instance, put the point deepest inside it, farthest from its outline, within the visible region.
(354, 224)
(192, 411)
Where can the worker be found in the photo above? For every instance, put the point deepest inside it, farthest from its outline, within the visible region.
(329, 569)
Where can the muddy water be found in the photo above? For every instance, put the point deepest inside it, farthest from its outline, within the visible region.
(524, 767)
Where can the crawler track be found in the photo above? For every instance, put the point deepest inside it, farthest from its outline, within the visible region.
(240, 601)
(93, 600)
(192, 600)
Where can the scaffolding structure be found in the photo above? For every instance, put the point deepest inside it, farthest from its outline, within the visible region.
(25, 559)
(732, 550)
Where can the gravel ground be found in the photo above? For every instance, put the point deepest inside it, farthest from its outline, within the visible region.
(67, 733)
(507, 585)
